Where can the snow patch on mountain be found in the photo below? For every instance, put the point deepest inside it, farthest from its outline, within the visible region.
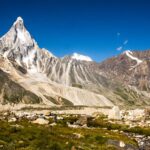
(18, 20)
(48, 53)
(81, 57)
(130, 55)
(21, 35)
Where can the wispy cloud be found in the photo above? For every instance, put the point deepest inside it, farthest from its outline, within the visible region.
(125, 42)
(122, 45)
(119, 48)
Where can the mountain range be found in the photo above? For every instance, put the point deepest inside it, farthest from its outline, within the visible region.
(30, 74)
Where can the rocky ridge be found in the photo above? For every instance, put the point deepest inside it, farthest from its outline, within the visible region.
(122, 80)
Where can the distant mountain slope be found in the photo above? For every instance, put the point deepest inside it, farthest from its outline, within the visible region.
(76, 79)
(130, 68)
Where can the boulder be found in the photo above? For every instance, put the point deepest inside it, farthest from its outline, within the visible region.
(13, 119)
(115, 113)
(41, 121)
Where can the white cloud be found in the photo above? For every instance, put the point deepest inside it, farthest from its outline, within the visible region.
(122, 46)
(119, 48)
(125, 42)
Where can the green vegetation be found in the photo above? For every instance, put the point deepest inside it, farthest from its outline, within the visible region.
(70, 119)
(125, 95)
(131, 97)
(104, 123)
(24, 135)
(139, 130)
(77, 85)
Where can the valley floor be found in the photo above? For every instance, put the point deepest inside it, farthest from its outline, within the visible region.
(23, 130)
(73, 128)
(24, 135)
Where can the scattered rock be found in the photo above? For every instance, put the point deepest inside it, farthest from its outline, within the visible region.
(53, 124)
(20, 142)
(122, 144)
(73, 148)
(12, 119)
(82, 121)
(72, 125)
(115, 113)
(78, 135)
(40, 121)
(17, 126)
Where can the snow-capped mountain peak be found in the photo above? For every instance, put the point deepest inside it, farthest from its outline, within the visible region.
(18, 34)
(127, 51)
(71, 80)
(18, 20)
(81, 57)
(17, 44)
(132, 57)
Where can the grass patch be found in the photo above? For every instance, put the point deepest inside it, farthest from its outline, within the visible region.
(28, 136)
(77, 85)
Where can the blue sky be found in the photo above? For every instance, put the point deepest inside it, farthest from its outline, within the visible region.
(97, 28)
